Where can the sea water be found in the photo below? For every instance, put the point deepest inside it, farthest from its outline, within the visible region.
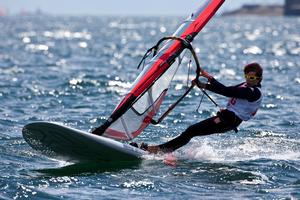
(74, 70)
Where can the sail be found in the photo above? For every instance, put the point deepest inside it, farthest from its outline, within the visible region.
(136, 111)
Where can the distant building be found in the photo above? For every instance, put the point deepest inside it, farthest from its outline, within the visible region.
(292, 7)
(2, 12)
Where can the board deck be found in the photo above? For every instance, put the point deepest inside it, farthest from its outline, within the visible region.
(72, 145)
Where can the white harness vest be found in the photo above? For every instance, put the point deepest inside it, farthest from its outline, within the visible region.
(243, 108)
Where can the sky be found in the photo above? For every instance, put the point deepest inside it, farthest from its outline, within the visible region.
(117, 7)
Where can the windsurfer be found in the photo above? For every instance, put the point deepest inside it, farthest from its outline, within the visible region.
(244, 101)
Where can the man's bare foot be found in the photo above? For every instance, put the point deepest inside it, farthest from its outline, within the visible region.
(153, 149)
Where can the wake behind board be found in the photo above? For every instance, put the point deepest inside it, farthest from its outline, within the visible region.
(69, 144)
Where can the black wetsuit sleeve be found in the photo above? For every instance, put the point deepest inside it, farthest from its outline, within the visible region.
(249, 93)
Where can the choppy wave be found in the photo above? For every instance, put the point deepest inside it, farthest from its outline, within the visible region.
(74, 70)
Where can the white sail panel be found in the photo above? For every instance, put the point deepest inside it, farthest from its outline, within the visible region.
(137, 117)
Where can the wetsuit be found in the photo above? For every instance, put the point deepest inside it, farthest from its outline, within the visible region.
(230, 118)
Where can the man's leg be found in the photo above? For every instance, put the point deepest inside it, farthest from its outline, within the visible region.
(205, 127)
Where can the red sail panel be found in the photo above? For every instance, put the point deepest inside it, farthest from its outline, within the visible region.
(150, 87)
(203, 15)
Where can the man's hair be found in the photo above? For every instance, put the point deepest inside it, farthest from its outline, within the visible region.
(254, 67)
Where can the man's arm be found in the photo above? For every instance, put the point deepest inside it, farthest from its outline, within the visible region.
(251, 94)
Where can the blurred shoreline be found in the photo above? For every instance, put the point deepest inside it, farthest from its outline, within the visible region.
(258, 10)
(290, 8)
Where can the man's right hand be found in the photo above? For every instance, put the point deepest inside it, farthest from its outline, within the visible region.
(206, 75)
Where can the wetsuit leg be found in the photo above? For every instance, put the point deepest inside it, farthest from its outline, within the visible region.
(205, 127)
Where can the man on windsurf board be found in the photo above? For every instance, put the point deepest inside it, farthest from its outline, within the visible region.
(244, 101)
